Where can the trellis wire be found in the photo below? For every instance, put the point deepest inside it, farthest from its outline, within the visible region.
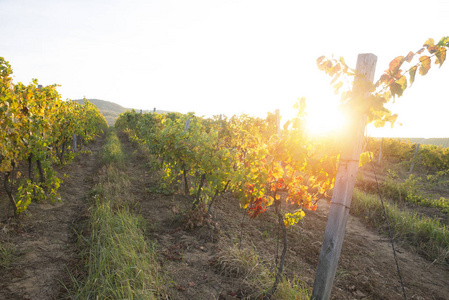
(388, 226)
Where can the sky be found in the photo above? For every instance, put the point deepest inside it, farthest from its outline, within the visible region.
(224, 56)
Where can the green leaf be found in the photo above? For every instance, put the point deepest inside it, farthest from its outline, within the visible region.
(444, 41)
(425, 65)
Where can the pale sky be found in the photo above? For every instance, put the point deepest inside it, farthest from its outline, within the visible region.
(223, 57)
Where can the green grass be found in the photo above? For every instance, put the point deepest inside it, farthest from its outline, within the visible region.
(409, 191)
(112, 152)
(6, 254)
(426, 235)
(119, 262)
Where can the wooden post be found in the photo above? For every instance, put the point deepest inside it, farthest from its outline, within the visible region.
(380, 152)
(344, 184)
(413, 159)
(187, 125)
(74, 142)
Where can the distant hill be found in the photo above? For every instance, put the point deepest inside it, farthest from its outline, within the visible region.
(443, 142)
(111, 110)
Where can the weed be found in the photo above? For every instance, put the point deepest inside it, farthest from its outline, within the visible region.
(6, 254)
(257, 275)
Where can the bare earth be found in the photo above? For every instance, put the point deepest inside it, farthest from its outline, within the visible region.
(46, 244)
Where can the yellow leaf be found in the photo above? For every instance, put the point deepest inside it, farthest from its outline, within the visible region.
(365, 157)
(429, 43)
(425, 65)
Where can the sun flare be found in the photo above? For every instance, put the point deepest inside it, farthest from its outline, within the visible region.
(322, 120)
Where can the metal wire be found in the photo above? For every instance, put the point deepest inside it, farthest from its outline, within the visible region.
(388, 226)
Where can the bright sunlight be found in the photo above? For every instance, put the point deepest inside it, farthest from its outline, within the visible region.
(323, 118)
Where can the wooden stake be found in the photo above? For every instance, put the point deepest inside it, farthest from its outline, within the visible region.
(380, 152)
(414, 158)
(344, 185)
(74, 142)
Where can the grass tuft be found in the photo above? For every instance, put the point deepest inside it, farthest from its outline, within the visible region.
(112, 152)
(257, 275)
(6, 254)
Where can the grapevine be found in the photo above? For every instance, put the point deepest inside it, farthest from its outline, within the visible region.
(36, 128)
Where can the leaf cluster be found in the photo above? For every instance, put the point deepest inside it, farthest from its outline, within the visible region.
(400, 75)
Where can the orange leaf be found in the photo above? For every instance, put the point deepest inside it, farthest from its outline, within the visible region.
(320, 59)
(395, 64)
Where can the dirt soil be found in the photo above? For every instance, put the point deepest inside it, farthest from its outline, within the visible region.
(46, 245)
(44, 240)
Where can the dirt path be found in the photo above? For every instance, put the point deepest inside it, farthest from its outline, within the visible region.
(45, 243)
(366, 269)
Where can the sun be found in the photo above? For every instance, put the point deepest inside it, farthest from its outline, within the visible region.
(323, 118)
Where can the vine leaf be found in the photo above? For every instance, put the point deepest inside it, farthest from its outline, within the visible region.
(420, 51)
(425, 65)
(429, 43)
(412, 73)
(395, 64)
(441, 56)
(398, 87)
(444, 42)
(409, 57)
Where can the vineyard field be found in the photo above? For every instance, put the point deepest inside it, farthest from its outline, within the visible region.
(203, 262)
(443, 142)
(166, 205)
